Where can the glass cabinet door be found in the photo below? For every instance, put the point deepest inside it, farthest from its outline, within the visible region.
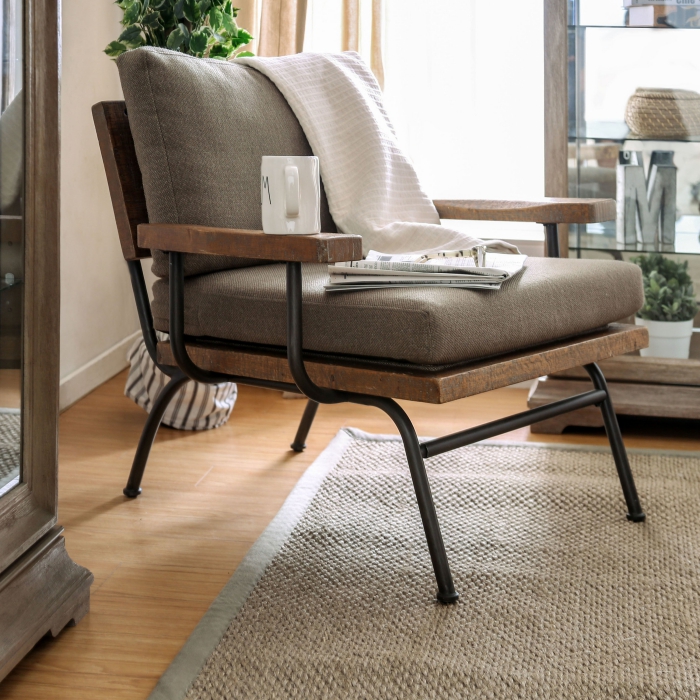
(11, 240)
(613, 55)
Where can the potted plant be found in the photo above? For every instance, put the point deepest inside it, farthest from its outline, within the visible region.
(669, 306)
(204, 28)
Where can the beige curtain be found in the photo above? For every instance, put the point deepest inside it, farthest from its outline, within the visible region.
(249, 19)
(282, 25)
(352, 31)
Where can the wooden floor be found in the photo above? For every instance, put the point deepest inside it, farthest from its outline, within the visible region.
(160, 560)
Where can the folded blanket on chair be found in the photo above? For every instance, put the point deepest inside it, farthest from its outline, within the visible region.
(371, 185)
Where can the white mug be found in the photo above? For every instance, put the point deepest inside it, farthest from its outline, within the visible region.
(290, 189)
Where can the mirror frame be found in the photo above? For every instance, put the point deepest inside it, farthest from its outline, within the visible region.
(29, 510)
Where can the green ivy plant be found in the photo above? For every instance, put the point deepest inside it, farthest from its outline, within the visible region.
(668, 289)
(203, 28)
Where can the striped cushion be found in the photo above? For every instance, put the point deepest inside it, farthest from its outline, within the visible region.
(195, 407)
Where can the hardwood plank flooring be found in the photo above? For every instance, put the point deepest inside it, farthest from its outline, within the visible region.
(10, 388)
(161, 559)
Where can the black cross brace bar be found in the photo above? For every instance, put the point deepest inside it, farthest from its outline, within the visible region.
(431, 448)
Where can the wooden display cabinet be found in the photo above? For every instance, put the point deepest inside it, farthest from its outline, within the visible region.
(41, 588)
(593, 63)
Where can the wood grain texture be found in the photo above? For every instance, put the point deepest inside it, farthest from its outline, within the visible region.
(315, 248)
(645, 370)
(40, 594)
(628, 398)
(123, 174)
(29, 510)
(160, 561)
(38, 598)
(548, 210)
(556, 106)
(41, 289)
(414, 385)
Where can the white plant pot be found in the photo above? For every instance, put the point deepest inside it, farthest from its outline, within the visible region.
(667, 338)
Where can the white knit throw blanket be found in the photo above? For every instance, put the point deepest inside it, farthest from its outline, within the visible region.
(371, 185)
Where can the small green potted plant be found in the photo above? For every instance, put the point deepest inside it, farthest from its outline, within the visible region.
(669, 306)
(203, 28)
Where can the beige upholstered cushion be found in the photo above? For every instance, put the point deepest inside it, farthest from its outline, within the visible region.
(552, 299)
(200, 128)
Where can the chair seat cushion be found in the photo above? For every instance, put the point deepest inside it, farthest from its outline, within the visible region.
(551, 299)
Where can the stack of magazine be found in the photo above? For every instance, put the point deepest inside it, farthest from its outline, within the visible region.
(463, 269)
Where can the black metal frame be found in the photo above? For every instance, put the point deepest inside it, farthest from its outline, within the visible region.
(551, 236)
(416, 451)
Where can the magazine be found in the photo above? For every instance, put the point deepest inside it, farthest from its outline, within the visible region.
(468, 269)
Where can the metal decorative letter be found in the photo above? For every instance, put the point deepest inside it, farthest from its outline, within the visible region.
(646, 208)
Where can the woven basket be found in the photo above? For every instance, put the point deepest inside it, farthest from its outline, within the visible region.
(664, 113)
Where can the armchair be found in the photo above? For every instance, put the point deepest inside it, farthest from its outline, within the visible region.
(271, 325)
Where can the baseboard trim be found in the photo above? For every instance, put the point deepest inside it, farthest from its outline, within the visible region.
(88, 377)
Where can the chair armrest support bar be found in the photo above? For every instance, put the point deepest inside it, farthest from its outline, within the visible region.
(143, 307)
(176, 288)
(548, 210)
(551, 239)
(312, 248)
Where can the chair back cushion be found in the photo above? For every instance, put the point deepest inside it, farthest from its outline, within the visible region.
(200, 129)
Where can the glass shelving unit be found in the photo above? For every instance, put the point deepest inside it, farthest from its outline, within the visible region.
(607, 62)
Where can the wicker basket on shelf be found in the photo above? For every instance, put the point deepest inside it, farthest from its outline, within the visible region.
(661, 113)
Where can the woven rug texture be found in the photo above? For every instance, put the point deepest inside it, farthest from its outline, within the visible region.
(9, 446)
(561, 597)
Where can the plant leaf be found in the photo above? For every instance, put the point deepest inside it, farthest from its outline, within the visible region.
(230, 25)
(190, 9)
(114, 49)
(158, 37)
(176, 38)
(220, 51)
(167, 18)
(152, 19)
(198, 42)
(243, 54)
(215, 18)
(132, 13)
(204, 6)
(131, 36)
(179, 9)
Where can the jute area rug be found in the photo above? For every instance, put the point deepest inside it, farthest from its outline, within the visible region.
(10, 423)
(561, 597)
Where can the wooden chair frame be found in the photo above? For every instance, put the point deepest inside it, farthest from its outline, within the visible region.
(331, 379)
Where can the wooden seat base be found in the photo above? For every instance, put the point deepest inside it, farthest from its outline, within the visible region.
(416, 385)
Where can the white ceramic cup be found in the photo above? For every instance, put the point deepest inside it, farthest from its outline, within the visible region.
(290, 189)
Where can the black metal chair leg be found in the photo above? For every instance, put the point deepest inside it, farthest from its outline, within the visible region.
(303, 431)
(133, 486)
(634, 508)
(446, 590)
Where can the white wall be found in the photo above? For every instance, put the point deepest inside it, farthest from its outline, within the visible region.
(98, 317)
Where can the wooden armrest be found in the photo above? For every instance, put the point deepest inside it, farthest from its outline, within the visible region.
(539, 211)
(185, 238)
